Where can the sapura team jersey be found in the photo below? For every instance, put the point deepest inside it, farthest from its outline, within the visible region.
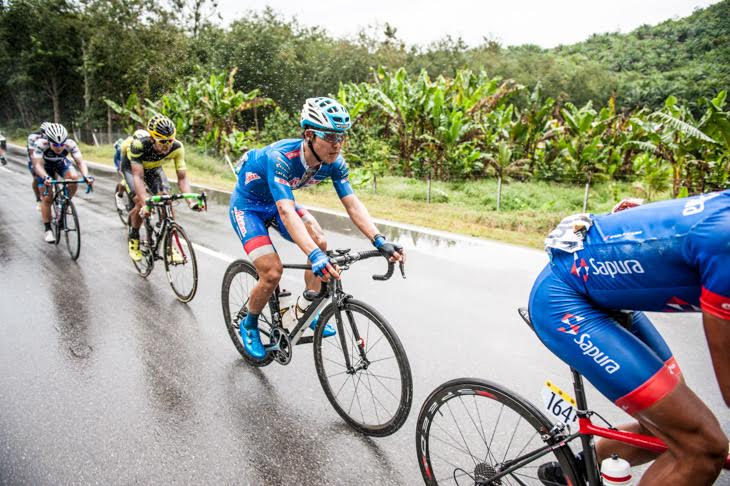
(669, 256)
(270, 174)
(141, 150)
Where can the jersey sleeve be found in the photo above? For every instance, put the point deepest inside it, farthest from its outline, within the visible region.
(341, 179)
(73, 148)
(708, 247)
(39, 146)
(278, 175)
(136, 149)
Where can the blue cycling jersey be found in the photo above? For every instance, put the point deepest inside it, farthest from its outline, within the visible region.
(270, 174)
(670, 256)
(667, 256)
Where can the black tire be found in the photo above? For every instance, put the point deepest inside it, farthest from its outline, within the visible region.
(239, 279)
(384, 411)
(55, 218)
(128, 204)
(71, 230)
(183, 273)
(146, 246)
(450, 458)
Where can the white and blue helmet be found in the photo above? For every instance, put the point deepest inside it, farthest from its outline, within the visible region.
(324, 113)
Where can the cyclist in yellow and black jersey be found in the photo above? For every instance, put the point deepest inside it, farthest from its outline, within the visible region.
(142, 158)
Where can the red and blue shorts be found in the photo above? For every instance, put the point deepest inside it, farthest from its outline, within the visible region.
(251, 224)
(632, 365)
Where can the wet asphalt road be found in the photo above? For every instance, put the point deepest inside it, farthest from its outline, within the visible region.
(106, 378)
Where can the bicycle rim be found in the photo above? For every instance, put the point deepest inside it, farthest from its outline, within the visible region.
(123, 213)
(71, 230)
(180, 263)
(375, 395)
(469, 430)
(238, 281)
(146, 246)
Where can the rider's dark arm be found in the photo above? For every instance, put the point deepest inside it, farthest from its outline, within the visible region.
(38, 168)
(717, 332)
(182, 181)
(138, 176)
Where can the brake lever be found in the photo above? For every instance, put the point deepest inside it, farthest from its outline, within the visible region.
(402, 268)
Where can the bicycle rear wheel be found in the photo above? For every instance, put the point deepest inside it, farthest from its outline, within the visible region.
(238, 281)
(469, 430)
(123, 213)
(71, 230)
(375, 394)
(180, 263)
(147, 247)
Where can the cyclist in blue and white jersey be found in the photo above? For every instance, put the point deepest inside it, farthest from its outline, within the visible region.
(50, 159)
(29, 147)
(669, 256)
(263, 197)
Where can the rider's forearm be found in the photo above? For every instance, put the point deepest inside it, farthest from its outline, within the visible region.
(182, 181)
(717, 332)
(294, 225)
(360, 216)
(38, 168)
(82, 166)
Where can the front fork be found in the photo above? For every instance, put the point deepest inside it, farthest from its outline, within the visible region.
(338, 300)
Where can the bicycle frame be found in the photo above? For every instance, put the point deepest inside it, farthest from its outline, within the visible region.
(331, 290)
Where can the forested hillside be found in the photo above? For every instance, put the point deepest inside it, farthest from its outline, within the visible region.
(63, 58)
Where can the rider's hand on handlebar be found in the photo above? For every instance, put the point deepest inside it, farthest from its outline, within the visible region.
(321, 265)
(144, 212)
(196, 206)
(89, 179)
(392, 251)
(47, 181)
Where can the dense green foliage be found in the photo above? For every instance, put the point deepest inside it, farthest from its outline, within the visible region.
(647, 105)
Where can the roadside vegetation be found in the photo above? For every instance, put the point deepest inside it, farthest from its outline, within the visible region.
(491, 141)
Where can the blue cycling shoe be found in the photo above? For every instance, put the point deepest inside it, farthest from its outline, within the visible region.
(329, 331)
(252, 341)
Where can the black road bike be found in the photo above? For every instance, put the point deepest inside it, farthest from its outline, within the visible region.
(363, 370)
(177, 250)
(64, 219)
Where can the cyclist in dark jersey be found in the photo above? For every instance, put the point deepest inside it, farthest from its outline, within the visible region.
(142, 158)
(263, 197)
(669, 256)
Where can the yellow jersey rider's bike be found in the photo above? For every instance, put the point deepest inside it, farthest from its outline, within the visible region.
(363, 370)
(476, 432)
(167, 235)
(64, 219)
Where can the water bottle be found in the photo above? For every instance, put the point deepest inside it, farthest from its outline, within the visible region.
(616, 471)
(286, 303)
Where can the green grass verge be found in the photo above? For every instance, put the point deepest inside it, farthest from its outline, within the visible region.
(529, 210)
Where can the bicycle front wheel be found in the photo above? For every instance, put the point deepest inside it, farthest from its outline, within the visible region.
(147, 248)
(469, 431)
(71, 230)
(374, 394)
(238, 281)
(180, 263)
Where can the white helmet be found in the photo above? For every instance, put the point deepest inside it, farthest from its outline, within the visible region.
(56, 133)
(44, 126)
(325, 114)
